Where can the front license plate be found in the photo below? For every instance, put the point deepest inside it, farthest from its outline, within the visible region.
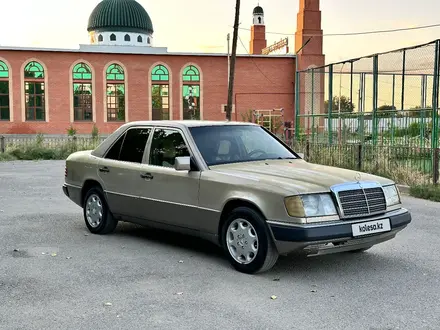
(371, 227)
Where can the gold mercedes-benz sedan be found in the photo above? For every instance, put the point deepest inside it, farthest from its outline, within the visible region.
(235, 184)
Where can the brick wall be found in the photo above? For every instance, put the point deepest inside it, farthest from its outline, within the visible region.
(253, 77)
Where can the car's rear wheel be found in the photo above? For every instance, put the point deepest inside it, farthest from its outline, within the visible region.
(97, 215)
(247, 242)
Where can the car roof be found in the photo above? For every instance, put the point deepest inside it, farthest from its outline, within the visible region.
(187, 123)
(101, 149)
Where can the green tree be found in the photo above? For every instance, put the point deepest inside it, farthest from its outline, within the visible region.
(346, 105)
(385, 110)
(386, 107)
(418, 112)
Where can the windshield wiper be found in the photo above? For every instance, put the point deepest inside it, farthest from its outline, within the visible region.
(281, 158)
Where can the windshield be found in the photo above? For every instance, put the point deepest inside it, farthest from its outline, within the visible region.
(237, 143)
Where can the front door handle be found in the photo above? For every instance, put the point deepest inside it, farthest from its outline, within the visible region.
(148, 176)
(104, 169)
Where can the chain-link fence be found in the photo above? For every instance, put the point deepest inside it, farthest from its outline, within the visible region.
(383, 100)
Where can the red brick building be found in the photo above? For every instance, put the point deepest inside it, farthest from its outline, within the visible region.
(121, 77)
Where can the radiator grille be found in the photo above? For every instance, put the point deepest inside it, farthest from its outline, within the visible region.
(362, 202)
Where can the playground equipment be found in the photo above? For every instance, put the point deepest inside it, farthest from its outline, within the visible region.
(273, 120)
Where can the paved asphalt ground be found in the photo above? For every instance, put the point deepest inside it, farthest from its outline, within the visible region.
(395, 285)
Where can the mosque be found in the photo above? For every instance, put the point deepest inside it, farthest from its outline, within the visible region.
(120, 76)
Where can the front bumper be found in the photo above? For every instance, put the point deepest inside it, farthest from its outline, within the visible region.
(334, 237)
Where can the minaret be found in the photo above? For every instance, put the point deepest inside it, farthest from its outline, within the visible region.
(309, 26)
(258, 32)
(309, 54)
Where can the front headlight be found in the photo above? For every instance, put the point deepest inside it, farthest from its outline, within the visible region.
(308, 206)
(391, 195)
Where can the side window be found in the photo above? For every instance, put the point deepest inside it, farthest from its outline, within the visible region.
(134, 145)
(167, 144)
(114, 151)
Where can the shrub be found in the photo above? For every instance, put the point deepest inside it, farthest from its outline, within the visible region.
(41, 151)
(430, 192)
(6, 157)
(71, 131)
(95, 132)
(392, 163)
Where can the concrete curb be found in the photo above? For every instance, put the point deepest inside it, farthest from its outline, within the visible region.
(404, 190)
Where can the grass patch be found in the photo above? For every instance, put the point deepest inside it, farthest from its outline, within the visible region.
(426, 191)
(4, 157)
(402, 165)
(39, 151)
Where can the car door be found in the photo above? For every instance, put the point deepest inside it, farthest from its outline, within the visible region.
(119, 171)
(167, 195)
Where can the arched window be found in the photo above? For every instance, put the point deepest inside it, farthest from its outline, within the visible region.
(127, 37)
(140, 39)
(191, 93)
(160, 88)
(148, 40)
(115, 93)
(100, 38)
(34, 91)
(259, 19)
(112, 37)
(4, 92)
(82, 93)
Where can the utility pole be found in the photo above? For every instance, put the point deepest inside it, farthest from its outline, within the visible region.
(229, 56)
(233, 58)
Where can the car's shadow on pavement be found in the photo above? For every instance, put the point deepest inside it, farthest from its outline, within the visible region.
(170, 239)
(332, 265)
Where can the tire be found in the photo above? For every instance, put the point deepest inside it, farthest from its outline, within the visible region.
(262, 256)
(107, 223)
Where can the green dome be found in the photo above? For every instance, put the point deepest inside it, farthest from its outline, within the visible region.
(258, 11)
(120, 16)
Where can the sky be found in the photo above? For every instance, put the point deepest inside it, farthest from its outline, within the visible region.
(195, 26)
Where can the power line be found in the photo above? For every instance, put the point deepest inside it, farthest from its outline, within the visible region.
(356, 33)
(256, 65)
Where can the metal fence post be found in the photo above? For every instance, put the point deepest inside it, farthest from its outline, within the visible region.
(402, 100)
(434, 120)
(436, 166)
(297, 105)
(375, 97)
(307, 153)
(351, 81)
(313, 105)
(2, 144)
(330, 104)
(359, 157)
(361, 133)
(393, 117)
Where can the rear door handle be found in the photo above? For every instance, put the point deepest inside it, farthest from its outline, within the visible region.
(104, 169)
(148, 176)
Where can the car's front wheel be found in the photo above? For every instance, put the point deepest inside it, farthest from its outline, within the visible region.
(97, 215)
(247, 242)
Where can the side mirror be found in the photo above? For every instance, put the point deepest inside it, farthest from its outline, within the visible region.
(182, 163)
(300, 154)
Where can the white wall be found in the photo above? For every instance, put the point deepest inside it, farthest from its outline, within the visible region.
(120, 39)
(256, 22)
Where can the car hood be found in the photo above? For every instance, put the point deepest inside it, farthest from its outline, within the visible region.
(296, 175)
